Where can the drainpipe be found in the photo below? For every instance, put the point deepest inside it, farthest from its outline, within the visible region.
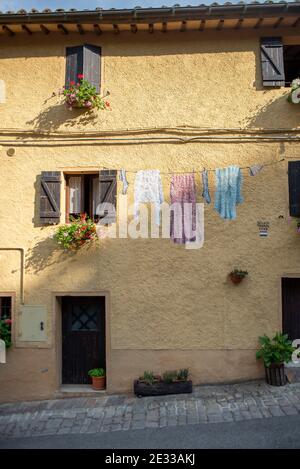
(22, 270)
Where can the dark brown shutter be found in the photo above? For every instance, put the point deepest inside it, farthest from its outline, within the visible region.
(272, 65)
(74, 63)
(83, 60)
(91, 65)
(294, 188)
(50, 197)
(108, 190)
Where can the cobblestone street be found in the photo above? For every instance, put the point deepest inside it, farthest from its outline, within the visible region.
(207, 404)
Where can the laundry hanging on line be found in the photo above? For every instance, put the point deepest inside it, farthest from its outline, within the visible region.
(123, 179)
(255, 169)
(183, 213)
(205, 193)
(228, 191)
(148, 188)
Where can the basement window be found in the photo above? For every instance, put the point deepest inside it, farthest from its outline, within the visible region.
(5, 307)
(291, 59)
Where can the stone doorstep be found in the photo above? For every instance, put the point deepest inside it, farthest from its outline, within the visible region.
(78, 390)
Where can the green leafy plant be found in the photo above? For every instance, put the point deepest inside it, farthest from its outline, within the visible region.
(77, 233)
(294, 94)
(239, 273)
(97, 373)
(5, 331)
(169, 376)
(183, 374)
(276, 350)
(83, 95)
(148, 377)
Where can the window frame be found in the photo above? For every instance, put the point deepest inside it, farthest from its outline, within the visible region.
(67, 176)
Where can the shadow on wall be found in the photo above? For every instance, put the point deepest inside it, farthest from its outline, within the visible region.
(47, 252)
(56, 115)
(276, 113)
(44, 254)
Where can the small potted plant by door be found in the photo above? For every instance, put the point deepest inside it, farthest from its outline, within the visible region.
(236, 275)
(171, 382)
(98, 378)
(275, 352)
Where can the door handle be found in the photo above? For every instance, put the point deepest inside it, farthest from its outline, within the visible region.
(41, 326)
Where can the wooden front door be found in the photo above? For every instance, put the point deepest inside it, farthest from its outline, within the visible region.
(291, 307)
(83, 337)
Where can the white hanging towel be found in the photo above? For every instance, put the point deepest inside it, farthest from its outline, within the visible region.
(148, 188)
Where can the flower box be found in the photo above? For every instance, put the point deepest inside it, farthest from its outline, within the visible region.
(160, 388)
(83, 95)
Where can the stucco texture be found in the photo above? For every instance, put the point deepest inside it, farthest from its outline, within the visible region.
(169, 307)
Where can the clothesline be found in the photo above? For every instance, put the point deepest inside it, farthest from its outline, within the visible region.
(194, 171)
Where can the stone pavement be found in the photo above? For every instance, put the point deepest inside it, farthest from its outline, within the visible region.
(207, 404)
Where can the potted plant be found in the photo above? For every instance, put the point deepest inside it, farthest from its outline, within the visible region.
(237, 275)
(83, 95)
(78, 232)
(294, 94)
(5, 331)
(171, 382)
(275, 352)
(98, 378)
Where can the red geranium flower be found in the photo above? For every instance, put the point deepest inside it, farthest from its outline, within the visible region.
(8, 321)
(72, 83)
(107, 104)
(80, 76)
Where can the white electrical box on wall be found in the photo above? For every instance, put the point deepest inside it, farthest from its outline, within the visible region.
(32, 324)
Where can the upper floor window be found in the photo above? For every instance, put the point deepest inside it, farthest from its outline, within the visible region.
(88, 193)
(82, 195)
(280, 64)
(83, 60)
(291, 58)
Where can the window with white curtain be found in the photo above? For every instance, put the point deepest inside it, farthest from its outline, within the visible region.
(83, 195)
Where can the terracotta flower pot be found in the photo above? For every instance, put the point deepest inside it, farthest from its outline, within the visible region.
(98, 382)
(236, 279)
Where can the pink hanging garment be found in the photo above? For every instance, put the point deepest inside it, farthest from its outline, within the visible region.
(183, 208)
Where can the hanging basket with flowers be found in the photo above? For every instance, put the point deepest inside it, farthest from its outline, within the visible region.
(83, 95)
(294, 94)
(5, 331)
(74, 235)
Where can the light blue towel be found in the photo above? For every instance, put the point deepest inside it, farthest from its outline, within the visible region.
(228, 191)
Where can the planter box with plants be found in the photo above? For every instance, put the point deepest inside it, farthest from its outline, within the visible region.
(5, 331)
(294, 94)
(79, 232)
(98, 378)
(83, 95)
(236, 276)
(275, 352)
(171, 382)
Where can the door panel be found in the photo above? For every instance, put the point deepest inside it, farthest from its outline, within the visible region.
(83, 337)
(291, 307)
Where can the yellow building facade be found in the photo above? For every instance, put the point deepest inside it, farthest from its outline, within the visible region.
(180, 101)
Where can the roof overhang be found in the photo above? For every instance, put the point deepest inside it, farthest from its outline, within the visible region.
(228, 16)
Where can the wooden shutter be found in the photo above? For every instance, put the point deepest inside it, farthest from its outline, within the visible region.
(272, 65)
(91, 65)
(294, 188)
(50, 197)
(74, 63)
(108, 190)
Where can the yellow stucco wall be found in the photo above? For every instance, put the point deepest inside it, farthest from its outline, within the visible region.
(169, 307)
